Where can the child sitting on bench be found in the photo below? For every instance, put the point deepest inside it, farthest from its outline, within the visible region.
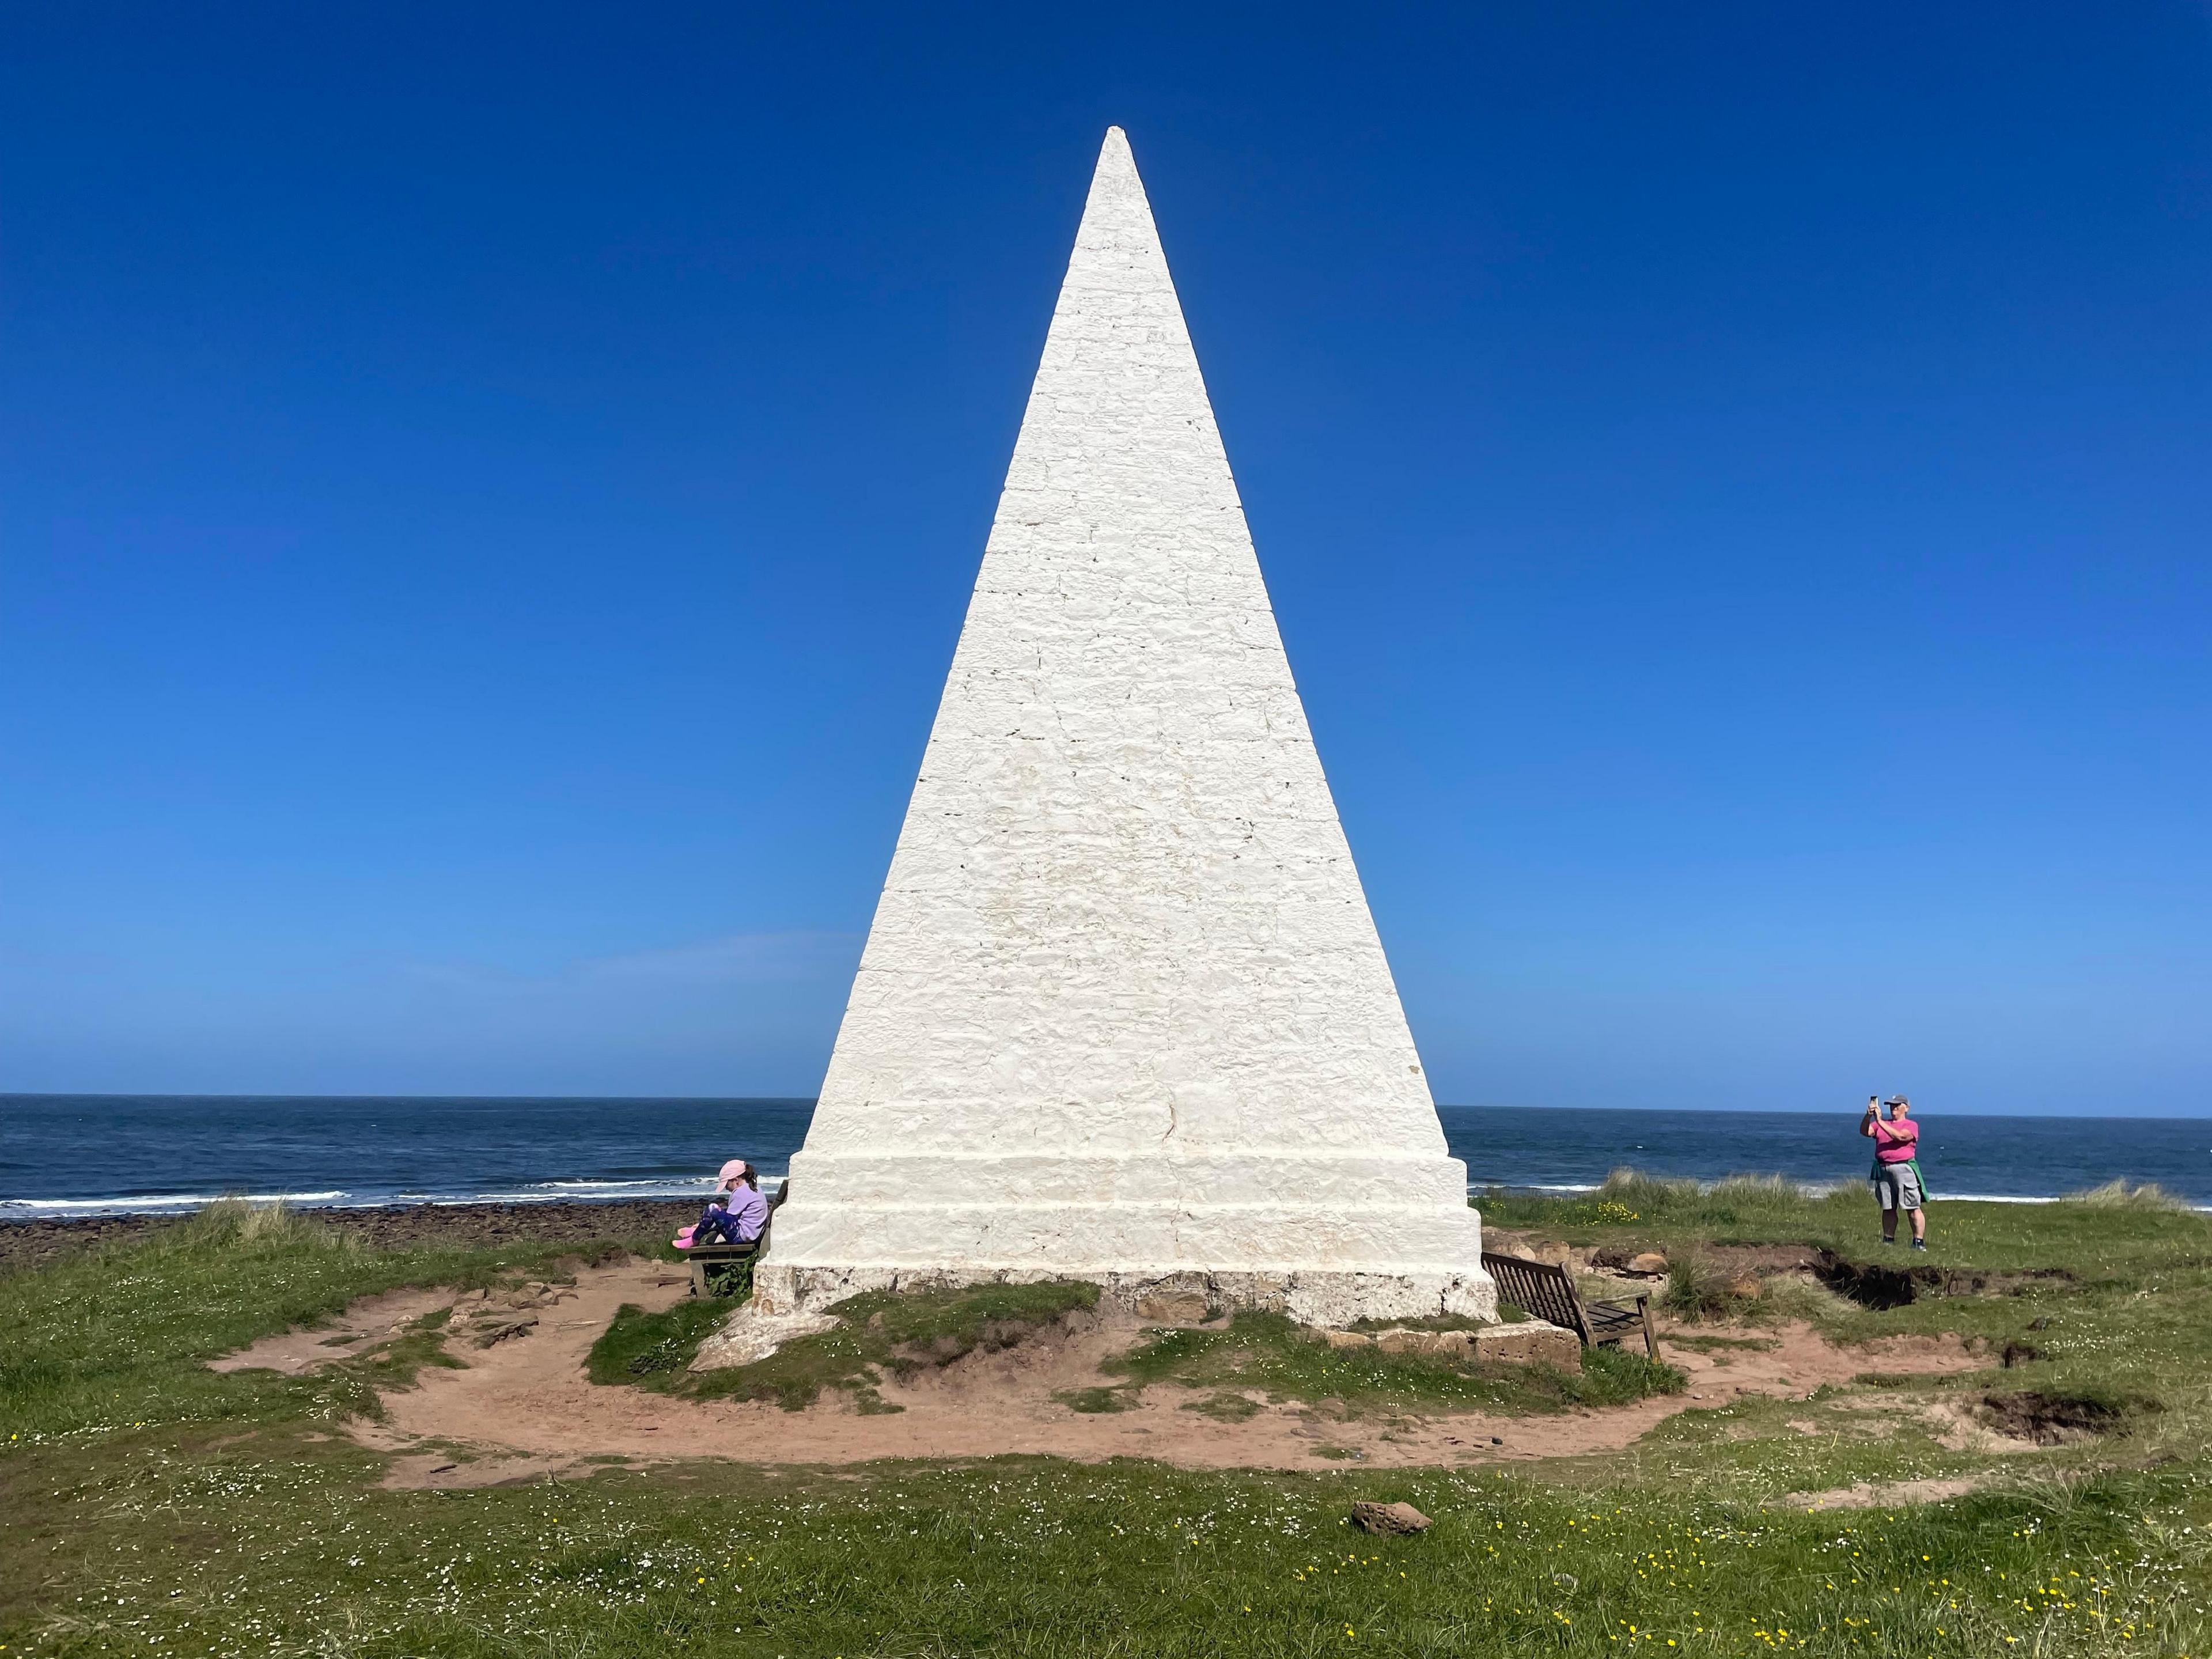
(736, 1215)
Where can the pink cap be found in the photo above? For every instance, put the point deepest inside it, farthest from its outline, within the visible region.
(734, 1171)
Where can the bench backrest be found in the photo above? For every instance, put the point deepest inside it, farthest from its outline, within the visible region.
(1541, 1290)
(760, 1245)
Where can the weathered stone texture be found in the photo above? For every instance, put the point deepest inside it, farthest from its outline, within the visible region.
(1530, 1342)
(1389, 1519)
(1123, 1012)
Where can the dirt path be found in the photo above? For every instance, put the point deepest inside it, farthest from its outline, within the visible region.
(522, 1406)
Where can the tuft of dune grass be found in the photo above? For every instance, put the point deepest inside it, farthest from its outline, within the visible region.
(235, 1220)
(1697, 1284)
(1648, 1193)
(2119, 1194)
(1780, 1189)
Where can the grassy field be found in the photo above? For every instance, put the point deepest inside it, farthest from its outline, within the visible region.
(150, 1506)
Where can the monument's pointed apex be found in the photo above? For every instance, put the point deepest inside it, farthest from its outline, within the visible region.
(1122, 1014)
(1113, 153)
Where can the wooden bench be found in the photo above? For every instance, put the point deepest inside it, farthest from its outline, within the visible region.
(715, 1266)
(1546, 1292)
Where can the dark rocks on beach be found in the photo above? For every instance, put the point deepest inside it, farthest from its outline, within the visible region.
(1389, 1519)
(33, 1243)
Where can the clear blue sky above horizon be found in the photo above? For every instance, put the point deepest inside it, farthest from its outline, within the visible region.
(488, 496)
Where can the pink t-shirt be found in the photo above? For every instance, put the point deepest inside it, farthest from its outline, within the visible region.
(1895, 1142)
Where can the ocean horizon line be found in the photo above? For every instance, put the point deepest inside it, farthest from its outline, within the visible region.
(23, 1210)
(59, 1155)
(1848, 1108)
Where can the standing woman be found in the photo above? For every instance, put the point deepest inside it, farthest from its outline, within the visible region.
(1896, 1168)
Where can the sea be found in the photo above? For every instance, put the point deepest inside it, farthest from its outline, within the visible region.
(86, 1155)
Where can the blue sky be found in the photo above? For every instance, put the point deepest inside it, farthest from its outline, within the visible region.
(488, 495)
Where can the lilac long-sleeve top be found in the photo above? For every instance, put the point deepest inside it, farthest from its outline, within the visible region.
(749, 1209)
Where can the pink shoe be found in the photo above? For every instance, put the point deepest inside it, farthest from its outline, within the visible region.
(682, 1240)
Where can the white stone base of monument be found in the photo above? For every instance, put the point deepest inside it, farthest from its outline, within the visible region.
(1368, 1235)
(1321, 1297)
(1321, 1263)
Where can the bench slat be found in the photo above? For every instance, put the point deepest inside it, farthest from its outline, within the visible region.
(1546, 1293)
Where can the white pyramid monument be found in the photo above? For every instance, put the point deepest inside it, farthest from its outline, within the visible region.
(1122, 1014)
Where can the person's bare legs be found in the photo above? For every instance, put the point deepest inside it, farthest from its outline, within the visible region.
(1919, 1226)
(1889, 1225)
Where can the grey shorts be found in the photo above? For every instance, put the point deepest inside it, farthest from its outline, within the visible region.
(1895, 1187)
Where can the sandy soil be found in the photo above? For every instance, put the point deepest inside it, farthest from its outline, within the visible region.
(1895, 1494)
(522, 1406)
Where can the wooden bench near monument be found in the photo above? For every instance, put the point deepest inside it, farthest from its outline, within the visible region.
(714, 1267)
(1546, 1292)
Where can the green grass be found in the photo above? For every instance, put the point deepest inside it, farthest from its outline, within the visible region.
(1226, 1407)
(1704, 1342)
(1095, 1401)
(651, 1349)
(1268, 1352)
(1507, 1315)
(2150, 1195)
(211, 1554)
(147, 1505)
(1697, 1284)
(120, 1337)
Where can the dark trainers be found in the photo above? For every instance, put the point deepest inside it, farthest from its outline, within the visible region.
(1919, 1243)
(1889, 1240)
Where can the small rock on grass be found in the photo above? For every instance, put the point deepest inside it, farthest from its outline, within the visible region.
(1398, 1519)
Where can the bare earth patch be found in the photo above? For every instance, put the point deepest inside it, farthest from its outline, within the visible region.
(368, 1322)
(522, 1406)
(1862, 1495)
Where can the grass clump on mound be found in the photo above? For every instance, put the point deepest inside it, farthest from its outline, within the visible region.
(1093, 1402)
(652, 1348)
(897, 1332)
(235, 1221)
(2119, 1195)
(1271, 1354)
(1507, 1315)
(1697, 1286)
